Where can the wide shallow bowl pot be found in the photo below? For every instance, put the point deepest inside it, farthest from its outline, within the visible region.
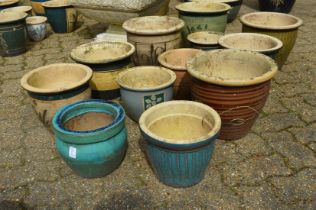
(12, 33)
(54, 86)
(91, 136)
(203, 16)
(36, 27)
(145, 86)
(261, 43)
(153, 35)
(107, 60)
(179, 140)
(8, 3)
(205, 40)
(284, 6)
(235, 83)
(176, 60)
(278, 25)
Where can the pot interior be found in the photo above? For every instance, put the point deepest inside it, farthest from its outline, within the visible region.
(88, 121)
(177, 59)
(8, 2)
(11, 16)
(204, 37)
(18, 9)
(203, 6)
(270, 19)
(33, 20)
(56, 3)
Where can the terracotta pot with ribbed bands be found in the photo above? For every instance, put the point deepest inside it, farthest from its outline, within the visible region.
(278, 25)
(235, 83)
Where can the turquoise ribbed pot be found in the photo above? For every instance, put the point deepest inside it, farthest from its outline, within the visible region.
(93, 152)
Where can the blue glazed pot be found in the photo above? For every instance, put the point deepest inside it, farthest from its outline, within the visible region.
(91, 136)
(13, 35)
(36, 27)
(145, 86)
(61, 16)
(8, 3)
(284, 6)
(179, 140)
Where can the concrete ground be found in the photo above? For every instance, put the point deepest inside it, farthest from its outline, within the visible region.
(273, 167)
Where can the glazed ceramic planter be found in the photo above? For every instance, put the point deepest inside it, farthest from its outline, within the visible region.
(284, 6)
(38, 9)
(204, 40)
(203, 16)
(176, 61)
(91, 137)
(235, 7)
(54, 86)
(8, 3)
(36, 27)
(278, 25)
(235, 83)
(261, 43)
(12, 33)
(61, 15)
(26, 9)
(153, 35)
(107, 60)
(179, 140)
(145, 86)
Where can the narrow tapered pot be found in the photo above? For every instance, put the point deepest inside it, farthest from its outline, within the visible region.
(284, 6)
(281, 26)
(235, 83)
(205, 40)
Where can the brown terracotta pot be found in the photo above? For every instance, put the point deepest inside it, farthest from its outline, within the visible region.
(176, 60)
(235, 83)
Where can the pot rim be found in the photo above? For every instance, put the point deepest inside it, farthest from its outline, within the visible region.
(214, 131)
(180, 8)
(9, 2)
(179, 25)
(216, 1)
(236, 82)
(174, 67)
(195, 41)
(56, 4)
(27, 76)
(35, 20)
(24, 8)
(278, 43)
(159, 68)
(78, 58)
(243, 20)
(16, 16)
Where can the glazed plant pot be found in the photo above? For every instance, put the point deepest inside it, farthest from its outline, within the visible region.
(153, 35)
(8, 3)
(261, 43)
(26, 9)
(235, 7)
(179, 140)
(12, 33)
(38, 9)
(91, 137)
(235, 83)
(145, 86)
(61, 15)
(176, 61)
(36, 27)
(204, 40)
(284, 6)
(278, 25)
(107, 60)
(54, 86)
(203, 16)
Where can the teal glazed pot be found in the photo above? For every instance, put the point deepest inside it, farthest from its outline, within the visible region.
(203, 16)
(179, 140)
(13, 34)
(61, 16)
(91, 136)
(8, 3)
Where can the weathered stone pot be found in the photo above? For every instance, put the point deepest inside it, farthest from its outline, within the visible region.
(12, 33)
(8, 3)
(261, 43)
(26, 9)
(278, 25)
(179, 140)
(176, 60)
(91, 137)
(153, 35)
(107, 60)
(284, 6)
(203, 16)
(235, 83)
(235, 7)
(56, 85)
(61, 15)
(145, 86)
(36, 27)
(38, 9)
(205, 40)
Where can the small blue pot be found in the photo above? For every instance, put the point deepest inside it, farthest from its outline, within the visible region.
(91, 153)
(179, 162)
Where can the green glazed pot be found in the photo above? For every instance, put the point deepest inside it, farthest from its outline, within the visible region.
(279, 25)
(13, 35)
(203, 16)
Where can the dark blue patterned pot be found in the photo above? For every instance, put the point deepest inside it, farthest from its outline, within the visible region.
(284, 6)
